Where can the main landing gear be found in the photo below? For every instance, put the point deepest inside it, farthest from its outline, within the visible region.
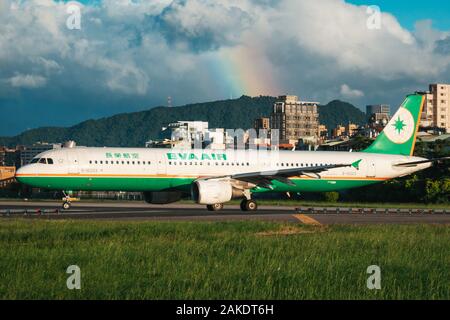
(249, 205)
(246, 205)
(215, 207)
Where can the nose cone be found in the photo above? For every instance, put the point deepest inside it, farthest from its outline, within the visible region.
(21, 172)
(18, 174)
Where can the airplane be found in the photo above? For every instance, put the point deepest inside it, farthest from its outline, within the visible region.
(214, 177)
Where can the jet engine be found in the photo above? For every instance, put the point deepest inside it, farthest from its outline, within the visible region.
(162, 197)
(214, 191)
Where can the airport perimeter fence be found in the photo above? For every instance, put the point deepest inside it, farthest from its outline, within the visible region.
(350, 210)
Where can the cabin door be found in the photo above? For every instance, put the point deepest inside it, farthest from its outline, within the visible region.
(161, 166)
(72, 163)
(371, 169)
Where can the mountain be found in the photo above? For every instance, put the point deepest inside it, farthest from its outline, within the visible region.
(338, 112)
(134, 129)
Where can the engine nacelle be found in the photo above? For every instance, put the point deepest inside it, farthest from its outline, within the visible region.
(162, 197)
(214, 191)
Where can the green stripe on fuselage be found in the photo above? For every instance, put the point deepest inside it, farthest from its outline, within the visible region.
(182, 184)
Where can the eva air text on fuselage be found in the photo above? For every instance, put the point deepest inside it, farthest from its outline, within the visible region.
(196, 156)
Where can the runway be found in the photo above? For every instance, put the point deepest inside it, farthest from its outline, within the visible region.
(187, 212)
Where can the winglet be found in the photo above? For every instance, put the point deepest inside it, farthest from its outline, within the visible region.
(356, 164)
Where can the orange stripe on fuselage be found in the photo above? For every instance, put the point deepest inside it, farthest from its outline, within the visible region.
(185, 177)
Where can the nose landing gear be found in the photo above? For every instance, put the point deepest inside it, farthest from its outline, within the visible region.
(67, 201)
(66, 205)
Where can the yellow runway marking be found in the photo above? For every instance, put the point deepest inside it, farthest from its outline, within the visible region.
(307, 220)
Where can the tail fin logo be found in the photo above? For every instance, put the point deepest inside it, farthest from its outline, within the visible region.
(401, 127)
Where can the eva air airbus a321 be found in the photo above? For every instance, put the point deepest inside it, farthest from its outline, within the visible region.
(216, 177)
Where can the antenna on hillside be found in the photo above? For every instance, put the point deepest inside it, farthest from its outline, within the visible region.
(169, 101)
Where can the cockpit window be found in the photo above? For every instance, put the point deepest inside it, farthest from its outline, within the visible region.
(35, 160)
(43, 160)
(49, 160)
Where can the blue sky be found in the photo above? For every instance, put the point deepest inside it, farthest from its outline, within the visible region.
(131, 56)
(408, 12)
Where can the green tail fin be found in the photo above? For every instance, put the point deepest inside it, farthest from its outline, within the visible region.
(399, 135)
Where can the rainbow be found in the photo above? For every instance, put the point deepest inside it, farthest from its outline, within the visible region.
(244, 71)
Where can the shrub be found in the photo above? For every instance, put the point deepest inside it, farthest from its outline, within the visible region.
(331, 196)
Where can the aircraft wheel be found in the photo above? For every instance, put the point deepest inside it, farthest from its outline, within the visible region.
(249, 205)
(66, 205)
(215, 207)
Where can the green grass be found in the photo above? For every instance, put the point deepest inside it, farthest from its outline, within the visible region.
(233, 260)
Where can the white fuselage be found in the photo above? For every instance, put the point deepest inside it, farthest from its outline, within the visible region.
(119, 165)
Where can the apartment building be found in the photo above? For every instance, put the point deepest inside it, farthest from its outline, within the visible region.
(436, 110)
(295, 119)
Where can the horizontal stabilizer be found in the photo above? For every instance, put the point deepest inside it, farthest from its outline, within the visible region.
(415, 163)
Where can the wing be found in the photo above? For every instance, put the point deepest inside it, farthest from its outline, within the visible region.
(265, 178)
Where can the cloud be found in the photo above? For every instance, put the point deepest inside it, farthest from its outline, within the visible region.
(131, 55)
(443, 46)
(27, 81)
(348, 92)
(203, 24)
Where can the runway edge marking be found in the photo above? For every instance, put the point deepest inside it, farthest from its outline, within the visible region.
(306, 219)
